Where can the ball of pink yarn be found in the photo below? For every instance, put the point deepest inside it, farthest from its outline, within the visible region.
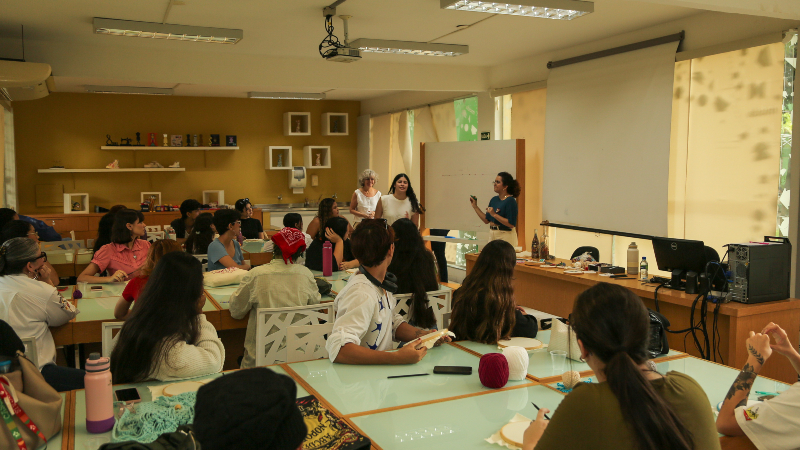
(493, 370)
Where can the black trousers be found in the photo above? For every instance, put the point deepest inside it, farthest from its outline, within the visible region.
(438, 252)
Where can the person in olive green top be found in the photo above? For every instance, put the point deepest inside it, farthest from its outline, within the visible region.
(631, 406)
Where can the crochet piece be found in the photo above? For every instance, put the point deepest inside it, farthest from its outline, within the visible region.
(571, 379)
(152, 419)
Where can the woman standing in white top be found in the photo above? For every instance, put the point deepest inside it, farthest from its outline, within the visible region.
(402, 203)
(366, 198)
(31, 304)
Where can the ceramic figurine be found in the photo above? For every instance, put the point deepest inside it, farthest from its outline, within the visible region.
(188, 140)
(166, 140)
(152, 140)
(318, 163)
(109, 142)
(138, 139)
(297, 126)
(76, 206)
(280, 161)
(177, 140)
(194, 140)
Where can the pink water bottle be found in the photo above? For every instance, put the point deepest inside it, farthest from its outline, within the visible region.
(327, 259)
(99, 397)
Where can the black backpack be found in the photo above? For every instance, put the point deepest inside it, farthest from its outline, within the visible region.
(658, 344)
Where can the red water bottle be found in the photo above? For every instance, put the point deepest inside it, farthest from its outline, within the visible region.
(327, 259)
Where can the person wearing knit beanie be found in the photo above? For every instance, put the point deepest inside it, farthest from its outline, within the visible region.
(249, 409)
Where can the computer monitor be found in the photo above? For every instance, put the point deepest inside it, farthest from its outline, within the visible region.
(679, 256)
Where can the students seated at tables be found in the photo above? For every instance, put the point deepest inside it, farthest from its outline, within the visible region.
(167, 337)
(772, 424)
(279, 284)
(46, 232)
(202, 234)
(190, 209)
(134, 287)
(365, 323)
(126, 253)
(483, 308)
(327, 209)
(249, 410)
(104, 227)
(30, 303)
(225, 250)
(631, 406)
(401, 202)
(415, 269)
(251, 228)
(335, 232)
(21, 228)
(291, 220)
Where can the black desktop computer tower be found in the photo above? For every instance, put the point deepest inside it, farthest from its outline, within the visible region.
(760, 270)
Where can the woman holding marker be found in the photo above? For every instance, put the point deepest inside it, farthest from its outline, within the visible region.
(501, 215)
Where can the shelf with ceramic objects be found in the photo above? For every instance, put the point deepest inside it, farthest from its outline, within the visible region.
(317, 157)
(141, 148)
(127, 169)
(297, 124)
(335, 124)
(278, 157)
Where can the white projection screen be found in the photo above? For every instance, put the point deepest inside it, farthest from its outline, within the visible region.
(607, 132)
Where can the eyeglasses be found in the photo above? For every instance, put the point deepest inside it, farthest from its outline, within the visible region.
(33, 233)
(43, 255)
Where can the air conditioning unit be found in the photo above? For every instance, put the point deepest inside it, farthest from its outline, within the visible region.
(24, 80)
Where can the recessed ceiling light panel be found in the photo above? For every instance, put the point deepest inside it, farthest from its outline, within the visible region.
(128, 90)
(152, 30)
(287, 95)
(409, 47)
(545, 9)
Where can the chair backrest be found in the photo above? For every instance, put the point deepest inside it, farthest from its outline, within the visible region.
(307, 342)
(108, 336)
(446, 320)
(90, 243)
(592, 251)
(153, 236)
(30, 349)
(440, 300)
(152, 228)
(271, 325)
(62, 245)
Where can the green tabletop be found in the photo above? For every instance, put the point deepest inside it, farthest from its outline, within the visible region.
(459, 424)
(253, 247)
(109, 290)
(352, 389)
(87, 441)
(102, 309)
(55, 441)
(222, 294)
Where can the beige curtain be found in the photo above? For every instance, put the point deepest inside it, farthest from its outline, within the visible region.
(444, 121)
(401, 155)
(380, 150)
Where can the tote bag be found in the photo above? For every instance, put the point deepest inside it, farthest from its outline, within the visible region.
(562, 337)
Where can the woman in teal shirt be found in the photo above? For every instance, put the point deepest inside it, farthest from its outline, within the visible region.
(225, 251)
(501, 215)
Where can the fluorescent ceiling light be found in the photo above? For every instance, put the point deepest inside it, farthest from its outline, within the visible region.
(128, 90)
(287, 95)
(409, 47)
(546, 9)
(154, 30)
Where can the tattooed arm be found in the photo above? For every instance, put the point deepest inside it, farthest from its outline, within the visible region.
(758, 350)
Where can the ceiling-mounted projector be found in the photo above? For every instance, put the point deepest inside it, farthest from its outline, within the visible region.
(343, 54)
(330, 48)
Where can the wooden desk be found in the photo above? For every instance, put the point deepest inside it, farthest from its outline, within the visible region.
(554, 292)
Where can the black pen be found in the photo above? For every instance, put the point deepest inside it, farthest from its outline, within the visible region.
(404, 376)
(537, 408)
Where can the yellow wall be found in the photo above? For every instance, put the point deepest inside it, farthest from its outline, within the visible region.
(69, 129)
(527, 122)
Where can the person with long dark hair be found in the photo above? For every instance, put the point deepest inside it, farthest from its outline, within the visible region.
(501, 215)
(104, 227)
(225, 251)
(251, 228)
(401, 202)
(124, 255)
(167, 337)
(336, 232)
(202, 234)
(30, 303)
(327, 209)
(21, 228)
(190, 209)
(415, 269)
(134, 287)
(631, 406)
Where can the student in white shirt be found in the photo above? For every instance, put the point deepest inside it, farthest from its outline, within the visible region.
(281, 283)
(31, 305)
(772, 424)
(365, 323)
(167, 337)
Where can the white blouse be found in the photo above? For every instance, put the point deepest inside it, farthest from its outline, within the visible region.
(366, 204)
(394, 209)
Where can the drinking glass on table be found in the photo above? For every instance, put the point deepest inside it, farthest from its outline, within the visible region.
(558, 357)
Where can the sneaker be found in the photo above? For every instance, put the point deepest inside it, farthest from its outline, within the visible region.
(113, 165)
(153, 165)
(176, 164)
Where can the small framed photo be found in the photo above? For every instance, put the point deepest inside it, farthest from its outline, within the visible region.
(230, 141)
(177, 140)
(214, 140)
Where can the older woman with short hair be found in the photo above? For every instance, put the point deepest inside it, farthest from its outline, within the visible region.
(365, 199)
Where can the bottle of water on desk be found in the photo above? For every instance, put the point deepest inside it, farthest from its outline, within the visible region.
(643, 270)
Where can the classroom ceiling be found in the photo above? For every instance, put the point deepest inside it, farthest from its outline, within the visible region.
(279, 51)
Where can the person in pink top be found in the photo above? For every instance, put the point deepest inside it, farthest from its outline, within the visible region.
(126, 253)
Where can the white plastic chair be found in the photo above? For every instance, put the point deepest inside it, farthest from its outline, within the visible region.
(62, 245)
(446, 320)
(30, 349)
(307, 342)
(152, 228)
(108, 336)
(271, 325)
(439, 300)
(90, 243)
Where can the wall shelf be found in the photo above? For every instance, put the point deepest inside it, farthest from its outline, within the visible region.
(161, 148)
(136, 169)
(271, 153)
(334, 124)
(294, 121)
(311, 151)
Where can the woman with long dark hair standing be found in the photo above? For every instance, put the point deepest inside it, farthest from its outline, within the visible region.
(401, 202)
(415, 269)
(167, 337)
(484, 309)
(327, 209)
(124, 255)
(501, 215)
(631, 406)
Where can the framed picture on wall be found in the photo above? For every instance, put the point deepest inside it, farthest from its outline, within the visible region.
(177, 140)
